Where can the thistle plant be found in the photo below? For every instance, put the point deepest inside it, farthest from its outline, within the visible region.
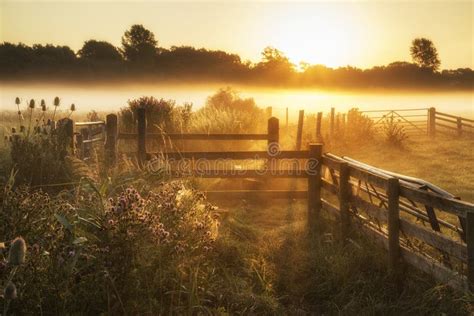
(17, 253)
(56, 104)
(31, 105)
(10, 293)
(16, 257)
(72, 109)
(17, 102)
(37, 150)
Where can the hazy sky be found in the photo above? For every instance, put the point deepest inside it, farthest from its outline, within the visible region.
(358, 33)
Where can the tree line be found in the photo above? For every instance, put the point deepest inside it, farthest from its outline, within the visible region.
(140, 57)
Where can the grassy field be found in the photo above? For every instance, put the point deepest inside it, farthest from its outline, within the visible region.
(129, 240)
(313, 275)
(445, 161)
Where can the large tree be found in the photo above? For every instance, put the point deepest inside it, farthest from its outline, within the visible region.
(99, 51)
(424, 53)
(139, 45)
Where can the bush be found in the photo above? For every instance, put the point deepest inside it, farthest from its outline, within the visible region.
(162, 115)
(394, 132)
(359, 126)
(39, 155)
(236, 115)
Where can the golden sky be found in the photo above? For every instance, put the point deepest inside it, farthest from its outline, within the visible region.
(361, 34)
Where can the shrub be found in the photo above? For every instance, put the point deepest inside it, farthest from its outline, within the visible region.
(236, 115)
(39, 156)
(394, 132)
(359, 126)
(162, 115)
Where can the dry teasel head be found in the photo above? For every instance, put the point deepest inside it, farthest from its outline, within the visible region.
(56, 101)
(73, 107)
(9, 293)
(32, 104)
(43, 106)
(17, 253)
(17, 100)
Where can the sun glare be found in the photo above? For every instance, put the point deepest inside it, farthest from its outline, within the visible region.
(307, 35)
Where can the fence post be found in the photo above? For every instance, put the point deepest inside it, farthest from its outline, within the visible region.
(273, 141)
(393, 224)
(299, 134)
(432, 122)
(66, 127)
(470, 249)
(331, 123)
(141, 131)
(318, 126)
(111, 135)
(85, 147)
(314, 184)
(459, 125)
(344, 198)
(273, 131)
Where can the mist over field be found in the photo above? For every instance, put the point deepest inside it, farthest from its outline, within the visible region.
(112, 97)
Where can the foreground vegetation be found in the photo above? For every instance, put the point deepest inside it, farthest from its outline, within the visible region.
(130, 240)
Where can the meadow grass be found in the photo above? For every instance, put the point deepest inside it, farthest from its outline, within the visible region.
(316, 274)
(85, 256)
(445, 161)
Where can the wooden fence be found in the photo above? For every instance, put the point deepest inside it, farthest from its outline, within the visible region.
(449, 124)
(392, 211)
(413, 121)
(387, 208)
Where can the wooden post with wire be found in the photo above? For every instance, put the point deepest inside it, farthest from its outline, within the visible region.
(141, 130)
(299, 134)
(432, 122)
(66, 130)
(314, 184)
(393, 194)
(331, 123)
(273, 141)
(111, 136)
(470, 249)
(319, 118)
(344, 198)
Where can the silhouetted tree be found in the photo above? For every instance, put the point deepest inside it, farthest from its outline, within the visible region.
(424, 53)
(275, 65)
(139, 45)
(99, 51)
(15, 58)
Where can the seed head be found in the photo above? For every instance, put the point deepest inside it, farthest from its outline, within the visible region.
(56, 101)
(17, 253)
(32, 104)
(17, 100)
(73, 107)
(9, 293)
